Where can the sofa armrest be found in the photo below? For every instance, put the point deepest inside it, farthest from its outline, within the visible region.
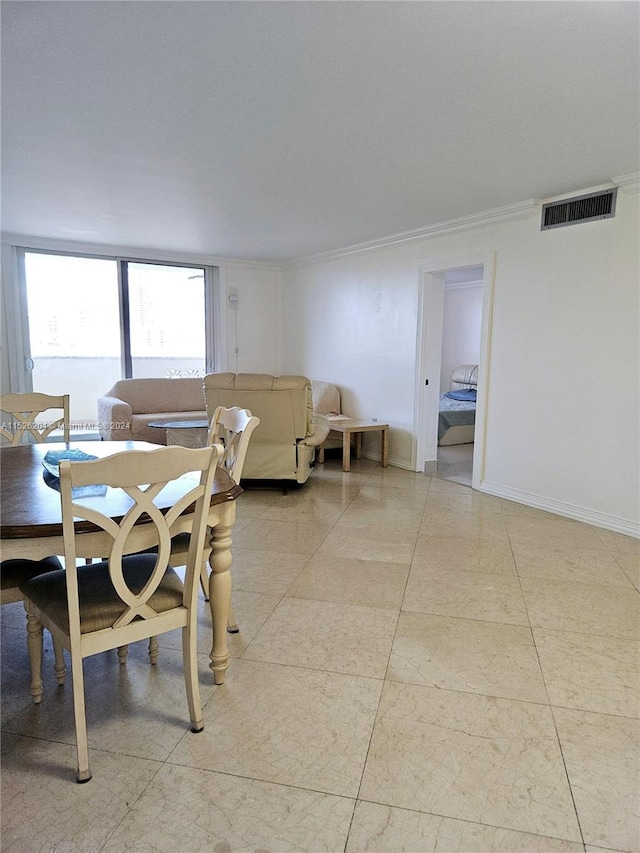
(321, 427)
(114, 419)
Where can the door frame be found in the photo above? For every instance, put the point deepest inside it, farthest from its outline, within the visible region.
(429, 355)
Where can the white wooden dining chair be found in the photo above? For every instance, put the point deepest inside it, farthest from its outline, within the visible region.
(232, 428)
(130, 595)
(27, 416)
(21, 419)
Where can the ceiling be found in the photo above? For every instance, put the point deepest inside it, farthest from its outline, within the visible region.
(278, 130)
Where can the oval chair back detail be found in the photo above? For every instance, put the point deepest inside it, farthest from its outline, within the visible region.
(130, 595)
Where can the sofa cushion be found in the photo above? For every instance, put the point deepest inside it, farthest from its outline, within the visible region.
(326, 398)
(156, 395)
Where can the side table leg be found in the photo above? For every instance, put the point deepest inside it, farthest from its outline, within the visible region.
(358, 445)
(385, 448)
(346, 450)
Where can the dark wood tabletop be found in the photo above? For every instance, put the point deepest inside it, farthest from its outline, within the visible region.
(30, 503)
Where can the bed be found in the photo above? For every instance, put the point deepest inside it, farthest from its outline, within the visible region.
(457, 416)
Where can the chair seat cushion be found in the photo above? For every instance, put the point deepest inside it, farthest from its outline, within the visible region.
(100, 605)
(14, 572)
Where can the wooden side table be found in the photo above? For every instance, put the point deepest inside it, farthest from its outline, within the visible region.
(354, 426)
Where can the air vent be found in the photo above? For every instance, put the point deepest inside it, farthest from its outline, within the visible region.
(582, 208)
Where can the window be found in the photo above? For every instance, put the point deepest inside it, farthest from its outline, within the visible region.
(92, 321)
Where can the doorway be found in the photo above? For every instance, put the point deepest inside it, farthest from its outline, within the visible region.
(461, 461)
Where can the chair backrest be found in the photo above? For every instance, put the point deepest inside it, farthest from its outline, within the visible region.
(188, 473)
(284, 406)
(232, 428)
(24, 411)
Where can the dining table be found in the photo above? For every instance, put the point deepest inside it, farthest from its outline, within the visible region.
(31, 521)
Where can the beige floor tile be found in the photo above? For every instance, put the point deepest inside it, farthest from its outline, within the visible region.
(15, 679)
(340, 488)
(463, 654)
(444, 500)
(281, 537)
(590, 673)
(196, 810)
(559, 532)
(391, 495)
(446, 487)
(324, 635)
(568, 564)
(601, 753)
(383, 544)
(254, 500)
(265, 571)
(453, 553)
(13, 616)
(136, 709)
(591, 849)
(466, 595)
(477, 758)
(585, 608)
(383, 829)
(310, 512)
(393, 477)
(630, 565)
(619, 543)
(402, 518)
(364, 582)
(43, 807)
(464, 525)
(251, 610)
(300, 727)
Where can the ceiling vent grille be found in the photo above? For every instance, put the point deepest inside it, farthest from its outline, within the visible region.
(583, 208)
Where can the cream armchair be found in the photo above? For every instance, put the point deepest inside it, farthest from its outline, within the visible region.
(283, 447)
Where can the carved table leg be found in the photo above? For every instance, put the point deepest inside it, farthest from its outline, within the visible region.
(220, 590)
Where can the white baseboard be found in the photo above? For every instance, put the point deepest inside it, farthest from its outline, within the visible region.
(578, 513)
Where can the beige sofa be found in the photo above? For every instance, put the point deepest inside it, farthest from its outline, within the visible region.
(283, 446)
(125, 411)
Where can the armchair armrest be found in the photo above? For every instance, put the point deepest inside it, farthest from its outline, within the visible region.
(321, 427)
(114, 418)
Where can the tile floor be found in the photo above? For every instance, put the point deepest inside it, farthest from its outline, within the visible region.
(420, 667)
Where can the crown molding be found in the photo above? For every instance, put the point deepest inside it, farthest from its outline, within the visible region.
(628, 183)
(519, 210)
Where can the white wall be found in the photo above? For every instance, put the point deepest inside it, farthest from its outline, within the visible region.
(563, 400)
(254, 326)
(460, 329)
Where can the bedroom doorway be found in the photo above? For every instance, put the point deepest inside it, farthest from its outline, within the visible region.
(454, 325)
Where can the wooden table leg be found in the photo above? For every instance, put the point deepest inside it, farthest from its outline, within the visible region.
(220, 590)
(358, 445)
(346, 450)
(385, 448)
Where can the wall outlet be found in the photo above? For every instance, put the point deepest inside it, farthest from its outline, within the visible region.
(232, 296)
(375, 420)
